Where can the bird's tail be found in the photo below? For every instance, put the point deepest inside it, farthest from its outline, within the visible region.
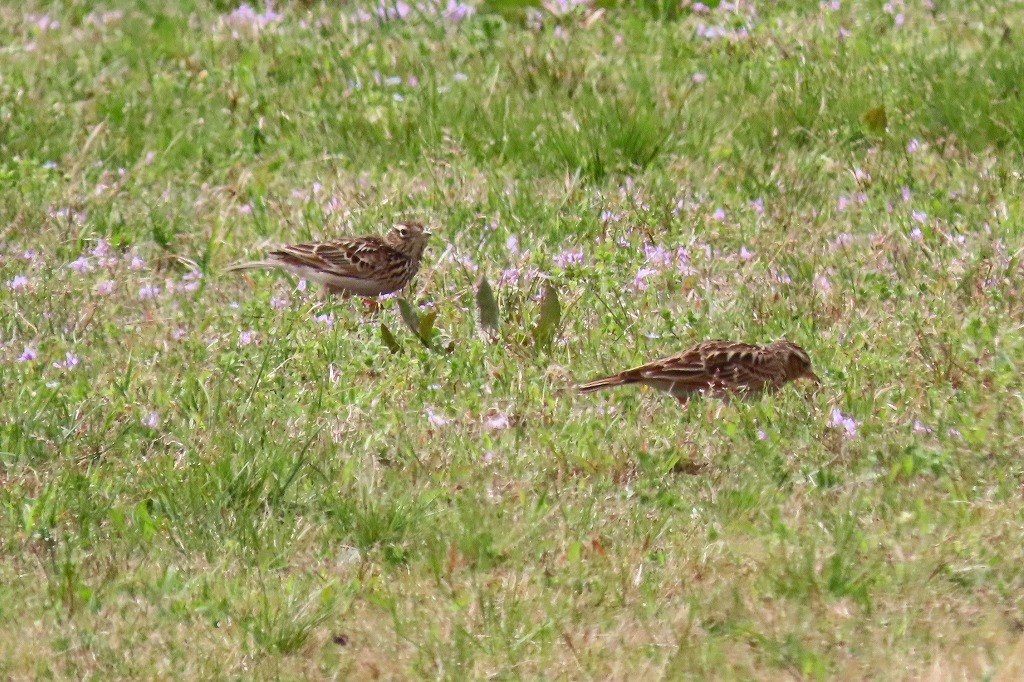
(252, 265)
(605, 382)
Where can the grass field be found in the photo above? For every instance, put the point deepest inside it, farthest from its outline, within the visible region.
(206, 476)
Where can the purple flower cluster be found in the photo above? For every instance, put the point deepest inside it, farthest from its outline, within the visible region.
(519, 275)
(452, 10)
(435, 419)
(560, 8)
(845, 422)
(845, 202)
(568, 257)
(244, 19)
(659, 259)
(70, 361)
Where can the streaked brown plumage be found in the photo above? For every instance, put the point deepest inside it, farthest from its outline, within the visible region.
(365, 266)
(719, 368)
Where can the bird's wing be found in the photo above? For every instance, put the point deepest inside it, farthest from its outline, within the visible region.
(740, 366)
(684, 369)
(358, 257)
(708, 365)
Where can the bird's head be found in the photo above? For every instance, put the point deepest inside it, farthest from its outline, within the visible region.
(408, 238)
(796, 361)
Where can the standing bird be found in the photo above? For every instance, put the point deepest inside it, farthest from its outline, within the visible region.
(720, 368)
(365, 266)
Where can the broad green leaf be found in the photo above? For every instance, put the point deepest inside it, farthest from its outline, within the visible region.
(389, 339)
(409, 316)
(487, 305)
(550, 316)
(426, 328)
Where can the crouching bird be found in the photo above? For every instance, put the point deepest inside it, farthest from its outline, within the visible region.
(718, 368)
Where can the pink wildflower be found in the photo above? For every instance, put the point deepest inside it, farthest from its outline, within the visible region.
(495, 420)
(70, 361)
(435, 419)
(148, 291)
(80, 265)
(568, 257)
(849, 424)
(640, 281)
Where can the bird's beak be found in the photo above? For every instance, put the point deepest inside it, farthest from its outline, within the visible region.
(813, 377)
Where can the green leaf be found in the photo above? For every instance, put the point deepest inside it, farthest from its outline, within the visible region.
(875, 119)
(550, 316)
(409, 316)
(426, 327)
(487, 306)
(389, 339)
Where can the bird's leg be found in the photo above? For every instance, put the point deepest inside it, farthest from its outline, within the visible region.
(372, 305)
(328, 290)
